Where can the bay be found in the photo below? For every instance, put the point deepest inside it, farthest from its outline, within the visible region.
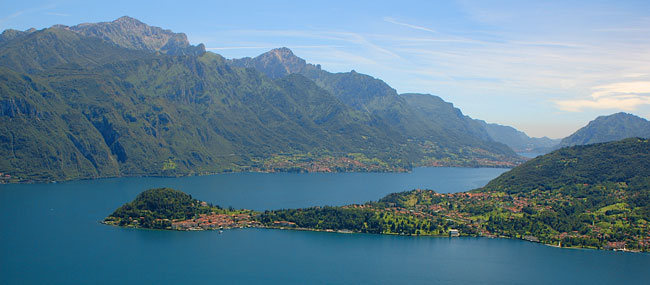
(51, 235)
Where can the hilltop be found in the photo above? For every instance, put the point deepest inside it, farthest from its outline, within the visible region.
(166, 208)
(609, 128)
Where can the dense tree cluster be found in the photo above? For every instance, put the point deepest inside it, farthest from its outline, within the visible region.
(621, 161)
(156, 208)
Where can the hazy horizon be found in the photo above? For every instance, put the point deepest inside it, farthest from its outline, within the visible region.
(544, 68)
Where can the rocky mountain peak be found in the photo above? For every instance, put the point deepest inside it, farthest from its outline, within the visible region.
(275, 63)
(282, 53)
(131, 33)
(128, 20)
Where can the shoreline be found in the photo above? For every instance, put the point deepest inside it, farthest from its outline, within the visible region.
(237, 172)
(380, 234)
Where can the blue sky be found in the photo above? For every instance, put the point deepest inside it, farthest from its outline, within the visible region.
(544, 67)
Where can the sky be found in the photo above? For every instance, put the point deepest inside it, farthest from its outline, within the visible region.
(544, 67)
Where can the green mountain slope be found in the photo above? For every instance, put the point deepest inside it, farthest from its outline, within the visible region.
(440, 132)
(43, 138)
(609, 128)
(54, 47)
(10, 35)
(169, 115)
(621, 161)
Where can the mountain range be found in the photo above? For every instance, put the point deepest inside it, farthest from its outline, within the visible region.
(608, 128)
(366, 93)
(123, 98)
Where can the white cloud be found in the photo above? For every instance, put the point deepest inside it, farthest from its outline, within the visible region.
(626, 96)
(415, 27)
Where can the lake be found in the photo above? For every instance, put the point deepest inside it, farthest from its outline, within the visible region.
(51, 235)
(530, 154)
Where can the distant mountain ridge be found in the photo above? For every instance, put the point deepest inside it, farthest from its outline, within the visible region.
(609, 128)
(518, 140)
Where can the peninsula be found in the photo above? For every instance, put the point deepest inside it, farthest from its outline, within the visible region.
(169, 209)
(595, 196)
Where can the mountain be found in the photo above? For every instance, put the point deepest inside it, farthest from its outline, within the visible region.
(626, 161)
(440, 115)
(129, 118)
(130, 33)
(276, 63)
(518, 140)
(609, 128)
(122, 98)
(438, 128)
(440, 124)
(89, 45)
(10, 35)
(37, 51)
(81, 107)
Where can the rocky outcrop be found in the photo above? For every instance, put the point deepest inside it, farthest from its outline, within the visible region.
(130, 33)
(276, 63)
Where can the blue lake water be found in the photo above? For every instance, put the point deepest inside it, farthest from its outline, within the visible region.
(50, 235)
